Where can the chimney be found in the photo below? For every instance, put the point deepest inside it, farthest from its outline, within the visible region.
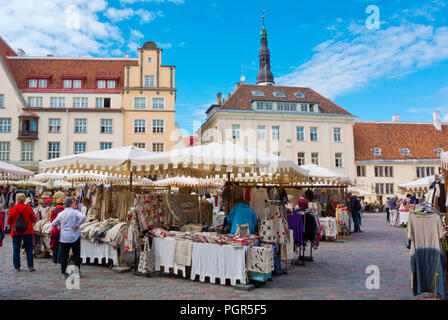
(396, 118)
(436, 120)
(20, 52)
(219, 96)
(49, 55)
(237, 85)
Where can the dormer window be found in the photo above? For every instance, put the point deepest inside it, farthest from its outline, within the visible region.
(72, 81)
(278, 94)
(299, 95)
(38, 80)
(377, 152)
(106, 81)
(258, 93)
(438, 152)
(405, 152)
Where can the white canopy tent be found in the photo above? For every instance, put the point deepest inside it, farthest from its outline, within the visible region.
(420, 185)
(219, 160)
(9, 171)
(115, 161)
(323, 176)
(188, 182)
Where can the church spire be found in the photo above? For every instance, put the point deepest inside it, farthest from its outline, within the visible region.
(265, 76)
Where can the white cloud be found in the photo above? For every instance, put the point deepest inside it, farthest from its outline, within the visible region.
(164, 45)
(136, 34)
(145, 16)
(156, 1)
(345, 65)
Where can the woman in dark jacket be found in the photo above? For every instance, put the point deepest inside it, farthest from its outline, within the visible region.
(27, 236)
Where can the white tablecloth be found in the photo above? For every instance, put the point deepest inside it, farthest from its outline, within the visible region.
(98, 250)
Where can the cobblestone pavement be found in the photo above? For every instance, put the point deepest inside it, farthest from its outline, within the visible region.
(337, 272)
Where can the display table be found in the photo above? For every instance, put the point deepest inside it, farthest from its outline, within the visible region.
(98, 250)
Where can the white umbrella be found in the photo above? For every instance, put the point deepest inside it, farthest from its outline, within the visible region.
(324, 176)
(220, 159)
(116, 160)
(417, 185)
(10, 171)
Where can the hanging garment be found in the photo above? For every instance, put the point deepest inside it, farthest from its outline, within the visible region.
(257, 203)
(425, 232)
(267, 228)
(259, 259)
(146, 262)
(182, 252)
(295, 223)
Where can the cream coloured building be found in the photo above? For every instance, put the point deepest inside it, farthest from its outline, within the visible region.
(294, 122)
(149, 97)
(388, 154)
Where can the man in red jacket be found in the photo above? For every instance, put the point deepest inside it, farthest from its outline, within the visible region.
(27, 236)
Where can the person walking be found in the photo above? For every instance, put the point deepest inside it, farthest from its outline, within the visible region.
(387, 209)
(349, 210)
(70, 221)
(21, 218)
(55, 234)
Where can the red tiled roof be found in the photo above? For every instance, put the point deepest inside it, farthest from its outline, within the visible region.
(240, 99)
(6, 50)
(59, 68)
(420, 138)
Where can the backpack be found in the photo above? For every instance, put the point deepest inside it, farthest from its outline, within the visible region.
(20, 225)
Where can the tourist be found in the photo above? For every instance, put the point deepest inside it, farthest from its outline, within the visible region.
(241, 214)
(59, 198)
(25, 236)
(302, 203)
(387, 209)
(85, 206)
(349, 211)
(355, 207)
(70, 221)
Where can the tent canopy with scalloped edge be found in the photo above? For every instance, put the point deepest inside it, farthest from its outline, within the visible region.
(10, 171)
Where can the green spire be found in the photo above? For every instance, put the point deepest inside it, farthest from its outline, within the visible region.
(263, 33)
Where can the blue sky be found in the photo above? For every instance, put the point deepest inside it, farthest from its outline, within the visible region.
(399, 68)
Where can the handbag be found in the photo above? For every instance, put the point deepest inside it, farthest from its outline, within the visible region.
(267, 229)
(20, 226)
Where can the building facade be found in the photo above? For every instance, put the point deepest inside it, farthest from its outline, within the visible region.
(293, 122)
(149, 98)
(388, 154)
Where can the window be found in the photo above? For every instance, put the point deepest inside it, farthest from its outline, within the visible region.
(158, 126)
(405, 152)
(35, 102)
(275, 133)
(377, 152)
(102, 102)
(139, 103)
(150, 81)
(158, 147)
(379, 188)
(278, 94)
(389, 172)
(79, 147)
(276, 153)
(260, 105)
(315, 158)
(379, 171)
(423, 172)
(139, 126)
(258, 93)
(235, 131)
(42, 83)
(337, 134)
(105, 145)
(261, 132)
(27, 151)
(53, 150)
(299, 95)
(57, 102)
(106, 125)
(149, 59)
(54, 125)
(300, 131)
(80, 125)
(361, 171)
(158, 103)
(101, 84)
(286, 106)
(4, 150)
(67, 83)
(338, 160)
(389, 188)
(313, 134)
(2, 101)
(311, 108)
(141, 145)
(77, 84)
(111, 84)
(80, 102)
(301, 158)
(5, 124)
(304, 107)
(32, 83)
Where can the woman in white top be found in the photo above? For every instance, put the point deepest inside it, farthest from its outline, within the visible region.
(70, 221)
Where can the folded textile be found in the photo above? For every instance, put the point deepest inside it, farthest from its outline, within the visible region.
(182, 252)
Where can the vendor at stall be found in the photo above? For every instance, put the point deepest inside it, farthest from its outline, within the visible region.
(241, 214)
